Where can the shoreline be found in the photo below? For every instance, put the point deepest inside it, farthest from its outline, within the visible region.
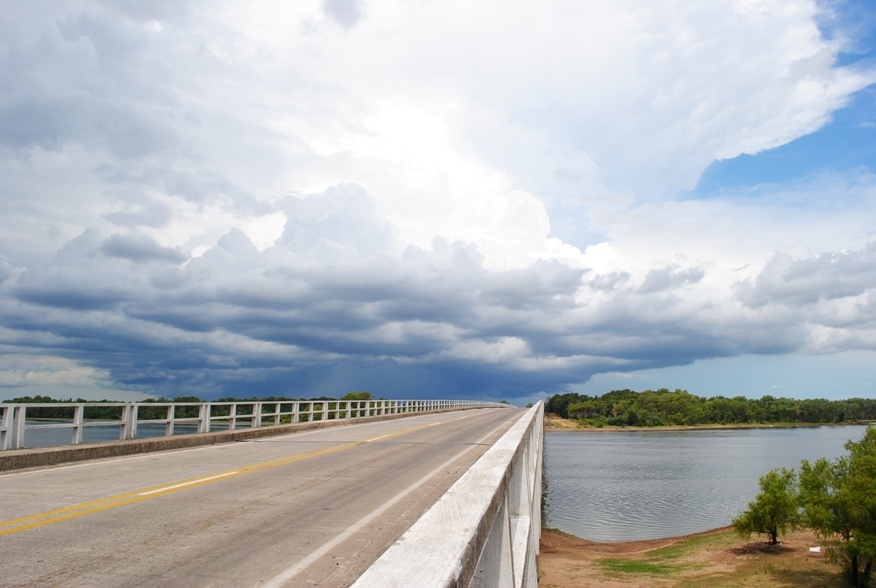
(634, 545)
(699, 560)
(556, 424)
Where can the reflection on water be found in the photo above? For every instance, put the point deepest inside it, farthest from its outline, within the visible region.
(623, 486)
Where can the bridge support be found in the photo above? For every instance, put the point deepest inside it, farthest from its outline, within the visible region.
(485, 531)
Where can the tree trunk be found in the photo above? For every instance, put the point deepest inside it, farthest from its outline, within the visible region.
(865, 576)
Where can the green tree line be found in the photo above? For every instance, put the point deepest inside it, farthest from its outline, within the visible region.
(652, 408)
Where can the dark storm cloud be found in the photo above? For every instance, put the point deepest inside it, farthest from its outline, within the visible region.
(236, 314)
(334, 304)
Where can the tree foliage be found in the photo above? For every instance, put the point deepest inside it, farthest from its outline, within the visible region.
(839, 502)
(836, 498)
(679, 407)
(357, 396)
(776, 508)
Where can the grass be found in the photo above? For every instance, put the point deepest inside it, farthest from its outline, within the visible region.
(688, 546)
(629, 566)
(657, 562)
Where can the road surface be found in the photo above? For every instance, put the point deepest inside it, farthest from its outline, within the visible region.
(308, 509)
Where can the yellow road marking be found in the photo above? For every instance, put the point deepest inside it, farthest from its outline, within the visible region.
(78, 510)
(180, 485)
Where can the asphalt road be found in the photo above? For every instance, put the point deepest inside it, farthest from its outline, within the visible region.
(309, 509)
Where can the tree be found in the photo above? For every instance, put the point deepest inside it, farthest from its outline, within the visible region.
(839, 502)
(357, 396)
(775, 510)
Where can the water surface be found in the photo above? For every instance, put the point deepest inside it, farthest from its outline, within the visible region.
(623, 486)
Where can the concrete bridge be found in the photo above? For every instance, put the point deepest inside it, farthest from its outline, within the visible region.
(438, 495)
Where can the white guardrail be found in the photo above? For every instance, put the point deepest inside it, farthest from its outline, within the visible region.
(485, 531)
(194, 417)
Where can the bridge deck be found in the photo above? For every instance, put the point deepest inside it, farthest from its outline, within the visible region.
(298, 510)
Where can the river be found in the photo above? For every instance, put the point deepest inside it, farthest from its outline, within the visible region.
(626, 485)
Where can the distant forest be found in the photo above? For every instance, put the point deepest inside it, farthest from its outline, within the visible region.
(654, 408)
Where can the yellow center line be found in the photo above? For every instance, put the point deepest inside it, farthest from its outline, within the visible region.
(78, 510)
(198, 481)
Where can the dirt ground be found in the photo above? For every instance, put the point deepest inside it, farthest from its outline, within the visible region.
(717, 558)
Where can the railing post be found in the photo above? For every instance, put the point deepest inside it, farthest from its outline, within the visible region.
(18, 424)
(295, 411)
(125, 428)
(168, 427)
(135, 413)
(204, 418)
(257, 414)
(6, 425)
(78, 415)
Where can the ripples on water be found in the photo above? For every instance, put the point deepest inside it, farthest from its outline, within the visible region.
(624, 486)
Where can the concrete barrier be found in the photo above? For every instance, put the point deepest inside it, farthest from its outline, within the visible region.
(485, 531)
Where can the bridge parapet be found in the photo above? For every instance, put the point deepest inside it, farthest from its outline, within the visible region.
(485, 531)
(134, 420)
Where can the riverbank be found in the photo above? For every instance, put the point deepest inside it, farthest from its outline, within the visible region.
(712, 559)
(553, 422)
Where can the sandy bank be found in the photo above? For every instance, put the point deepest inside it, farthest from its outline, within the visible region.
(714, 558)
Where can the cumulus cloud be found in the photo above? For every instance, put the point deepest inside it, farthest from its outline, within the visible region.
(826, 277)
(670, 277)
(206, 198)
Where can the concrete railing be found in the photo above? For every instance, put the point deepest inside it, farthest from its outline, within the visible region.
(107, 420)
(484, 531)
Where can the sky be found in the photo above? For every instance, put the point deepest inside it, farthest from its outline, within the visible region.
(498, 200)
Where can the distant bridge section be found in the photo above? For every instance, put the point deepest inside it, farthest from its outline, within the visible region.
(115, 429)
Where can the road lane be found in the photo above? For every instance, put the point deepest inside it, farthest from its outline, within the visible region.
(242, 514)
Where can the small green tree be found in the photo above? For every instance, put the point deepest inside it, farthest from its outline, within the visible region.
(774, 510)
(357, 396)
(839, 502)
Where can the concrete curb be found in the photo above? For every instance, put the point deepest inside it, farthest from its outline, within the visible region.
(16, 459)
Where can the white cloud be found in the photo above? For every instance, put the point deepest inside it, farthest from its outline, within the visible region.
(227, 192)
